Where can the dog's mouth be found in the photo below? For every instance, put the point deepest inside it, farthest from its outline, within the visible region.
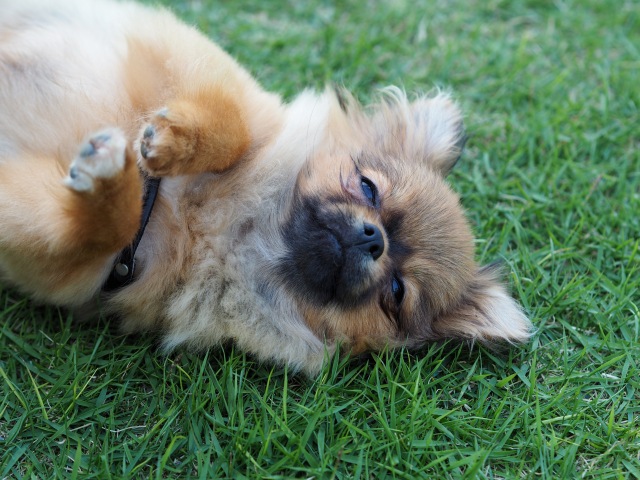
(331, 256)
(322, 266)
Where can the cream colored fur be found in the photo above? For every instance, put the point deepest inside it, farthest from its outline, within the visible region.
(205, 266)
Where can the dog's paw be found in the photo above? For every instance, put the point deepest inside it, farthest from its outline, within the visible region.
(103, 156)
(167, 143)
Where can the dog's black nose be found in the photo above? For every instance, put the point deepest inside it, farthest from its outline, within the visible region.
(371, 241)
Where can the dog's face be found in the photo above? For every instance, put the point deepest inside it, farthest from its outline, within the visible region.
(378, 250)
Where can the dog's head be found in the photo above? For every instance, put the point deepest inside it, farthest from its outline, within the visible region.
(379, 252)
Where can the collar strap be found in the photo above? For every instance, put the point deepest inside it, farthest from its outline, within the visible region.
(122, 271)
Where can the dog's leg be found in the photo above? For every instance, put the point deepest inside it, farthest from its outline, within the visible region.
(203, 131)
(203, 112)
(58, 235)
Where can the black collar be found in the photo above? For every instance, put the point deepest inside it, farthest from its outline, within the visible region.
(122, 272)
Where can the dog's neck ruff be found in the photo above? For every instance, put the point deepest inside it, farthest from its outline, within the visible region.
(122, 271)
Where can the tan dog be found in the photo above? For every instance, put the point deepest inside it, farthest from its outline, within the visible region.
(289, 229)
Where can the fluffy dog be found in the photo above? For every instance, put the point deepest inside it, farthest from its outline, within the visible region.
(291, 230)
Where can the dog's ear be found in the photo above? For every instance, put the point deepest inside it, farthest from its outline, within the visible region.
(486, 313)
(428, 130)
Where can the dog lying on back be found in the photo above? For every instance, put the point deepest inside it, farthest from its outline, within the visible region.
(290, 229)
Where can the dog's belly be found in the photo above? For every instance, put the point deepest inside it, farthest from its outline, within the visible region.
(61, 78)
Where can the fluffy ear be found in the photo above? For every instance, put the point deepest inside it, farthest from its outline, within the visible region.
(427, 130)
(486, 313)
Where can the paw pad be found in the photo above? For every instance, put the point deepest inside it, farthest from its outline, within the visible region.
(101, 157)
(147, 138)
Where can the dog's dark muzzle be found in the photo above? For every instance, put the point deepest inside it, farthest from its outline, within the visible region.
(331, 256)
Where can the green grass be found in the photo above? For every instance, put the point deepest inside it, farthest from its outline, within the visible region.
(551, 182)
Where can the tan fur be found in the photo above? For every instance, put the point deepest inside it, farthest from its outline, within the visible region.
(55, 240)
(202, 132)
(252, 193)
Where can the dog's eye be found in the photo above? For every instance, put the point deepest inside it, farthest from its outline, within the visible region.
(397, 290)
(370, 191)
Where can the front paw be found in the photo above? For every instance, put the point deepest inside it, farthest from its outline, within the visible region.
(102, 157)
(167, 143)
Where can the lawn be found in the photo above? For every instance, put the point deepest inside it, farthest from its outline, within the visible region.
(551, 183)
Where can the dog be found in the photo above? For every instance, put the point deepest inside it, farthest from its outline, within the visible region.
(134, 148)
